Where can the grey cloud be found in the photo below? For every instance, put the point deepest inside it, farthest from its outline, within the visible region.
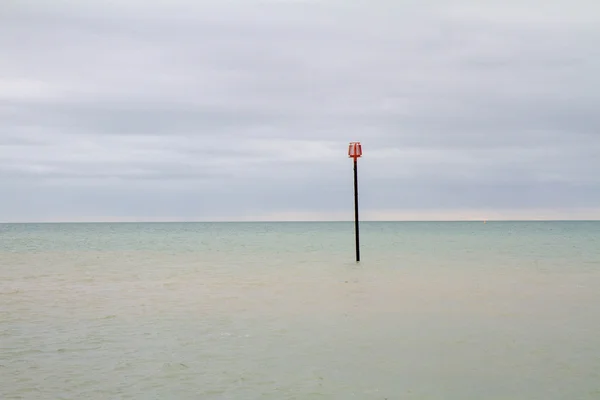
(249, 106)
(145, 118)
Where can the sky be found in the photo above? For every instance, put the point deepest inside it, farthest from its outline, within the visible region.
(211, 110)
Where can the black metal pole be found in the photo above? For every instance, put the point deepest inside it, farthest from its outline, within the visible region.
(356, 231)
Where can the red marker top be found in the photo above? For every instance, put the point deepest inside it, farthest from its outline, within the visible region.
(355, 150)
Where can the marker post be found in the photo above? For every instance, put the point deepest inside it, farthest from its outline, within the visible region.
(355, 152)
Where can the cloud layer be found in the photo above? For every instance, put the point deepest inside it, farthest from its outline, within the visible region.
(211, 110)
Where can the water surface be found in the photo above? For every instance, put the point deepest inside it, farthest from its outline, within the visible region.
(281, 311)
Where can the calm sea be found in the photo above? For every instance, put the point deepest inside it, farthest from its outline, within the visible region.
(281, 311)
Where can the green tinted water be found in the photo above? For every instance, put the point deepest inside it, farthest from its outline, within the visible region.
(280, 310)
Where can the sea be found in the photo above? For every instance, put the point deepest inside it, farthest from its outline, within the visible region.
(434, 310)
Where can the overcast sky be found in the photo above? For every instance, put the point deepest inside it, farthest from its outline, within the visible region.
(228, 110)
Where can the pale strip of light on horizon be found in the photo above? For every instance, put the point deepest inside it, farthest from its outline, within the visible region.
(367, 215)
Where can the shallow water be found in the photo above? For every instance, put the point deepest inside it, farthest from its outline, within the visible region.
(280, 311)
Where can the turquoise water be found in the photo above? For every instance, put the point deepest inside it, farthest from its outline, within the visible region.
(500, 310)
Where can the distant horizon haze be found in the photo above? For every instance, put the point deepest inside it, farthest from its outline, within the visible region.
(491, 216)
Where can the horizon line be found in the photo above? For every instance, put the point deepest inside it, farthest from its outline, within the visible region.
(292, 221)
